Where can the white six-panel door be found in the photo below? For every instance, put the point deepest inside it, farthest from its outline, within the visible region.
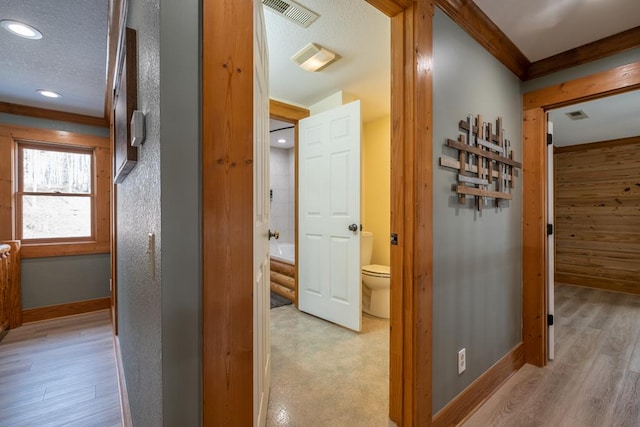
(328, 203)
(261, 268)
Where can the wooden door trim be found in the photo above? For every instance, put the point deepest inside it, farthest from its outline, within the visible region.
(534, 311)
(227, 190)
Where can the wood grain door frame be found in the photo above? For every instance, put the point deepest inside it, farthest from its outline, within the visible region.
(534, 265)
(227, 192)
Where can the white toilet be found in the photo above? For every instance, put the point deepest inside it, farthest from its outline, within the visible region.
(376, 282)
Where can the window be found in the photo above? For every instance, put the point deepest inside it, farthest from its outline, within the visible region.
(55, 196)
(55, 191)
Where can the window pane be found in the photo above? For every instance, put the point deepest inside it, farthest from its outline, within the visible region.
(55, 216)
(49, 171)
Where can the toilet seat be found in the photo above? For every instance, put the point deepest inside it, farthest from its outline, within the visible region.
(376, 270)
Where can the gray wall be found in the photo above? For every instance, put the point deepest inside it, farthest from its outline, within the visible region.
(181, 194)
(477, 268)
(159, 315)
(61, 280)
(604, 64)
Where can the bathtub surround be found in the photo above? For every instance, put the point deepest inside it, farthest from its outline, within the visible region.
(282, 163)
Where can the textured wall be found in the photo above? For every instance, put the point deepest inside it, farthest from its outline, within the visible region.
(59, 280)
(282, 183)
(477, 267)
(376, 186)
(138, 213)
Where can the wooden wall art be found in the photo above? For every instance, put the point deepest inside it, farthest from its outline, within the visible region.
(485, 164)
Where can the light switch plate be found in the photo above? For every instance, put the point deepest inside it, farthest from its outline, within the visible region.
(137, 128)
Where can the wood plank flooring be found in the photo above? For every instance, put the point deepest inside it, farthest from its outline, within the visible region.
(595, 377)
(60, 372)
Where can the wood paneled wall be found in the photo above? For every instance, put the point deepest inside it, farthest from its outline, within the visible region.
(597, 202)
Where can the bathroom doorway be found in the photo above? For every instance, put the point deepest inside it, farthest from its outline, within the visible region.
(327, 350)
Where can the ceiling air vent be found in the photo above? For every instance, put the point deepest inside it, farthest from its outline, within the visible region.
(577, 115)
(292, 11)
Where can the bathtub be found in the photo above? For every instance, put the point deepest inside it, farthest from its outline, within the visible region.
(283, 252)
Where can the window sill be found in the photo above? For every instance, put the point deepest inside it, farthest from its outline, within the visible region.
(43, 250)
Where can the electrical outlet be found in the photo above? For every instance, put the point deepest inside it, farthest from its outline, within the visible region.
(462, 360)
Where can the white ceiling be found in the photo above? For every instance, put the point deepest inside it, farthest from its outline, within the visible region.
(70, 58)
(609, 118)
(542, 28)
(356, 31)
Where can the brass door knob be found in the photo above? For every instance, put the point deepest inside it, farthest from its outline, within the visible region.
(275, 235)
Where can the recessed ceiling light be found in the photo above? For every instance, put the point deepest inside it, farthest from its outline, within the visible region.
(49, 93)
(282, 141)
(20, 29)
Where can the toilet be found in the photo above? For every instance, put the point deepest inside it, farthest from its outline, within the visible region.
(376, 280)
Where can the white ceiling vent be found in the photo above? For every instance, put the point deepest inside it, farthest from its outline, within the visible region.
(292, 11)
(577, 115)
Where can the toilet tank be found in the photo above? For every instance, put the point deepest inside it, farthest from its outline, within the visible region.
(366, 247)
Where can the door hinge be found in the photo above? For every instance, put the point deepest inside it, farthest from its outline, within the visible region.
(549, 229)
(549, 138)
(394, 239)
(550, 319)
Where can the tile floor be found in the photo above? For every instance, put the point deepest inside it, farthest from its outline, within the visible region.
(326, 375)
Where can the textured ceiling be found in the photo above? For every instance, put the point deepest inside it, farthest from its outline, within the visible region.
(613, 117)
(69, 59)
(353, 29)
(542, 28)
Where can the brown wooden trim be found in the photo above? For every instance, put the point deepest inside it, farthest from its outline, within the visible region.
(7, 171)
(391, 8)
(472, 397)
(615, 285)
(397, 220)
(473, 20)
(598, 49)
(62, 310)
(64, 249)
(53, 136)
(286, 112)
(43, 113)
(125, 409)
(616, 80)
(534, 226)
(596, 145)
(227, 213)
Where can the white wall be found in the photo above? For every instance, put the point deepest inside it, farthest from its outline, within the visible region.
(282, 186)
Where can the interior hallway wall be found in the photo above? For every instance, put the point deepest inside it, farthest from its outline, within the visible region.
(477, 256)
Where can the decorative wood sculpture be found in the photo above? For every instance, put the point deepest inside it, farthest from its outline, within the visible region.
(485, 164)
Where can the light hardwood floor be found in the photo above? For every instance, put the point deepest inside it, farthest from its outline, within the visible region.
(60, 372)
(595, 377)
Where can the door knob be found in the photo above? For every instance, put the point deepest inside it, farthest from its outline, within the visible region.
(353, 227)
(275, 235)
